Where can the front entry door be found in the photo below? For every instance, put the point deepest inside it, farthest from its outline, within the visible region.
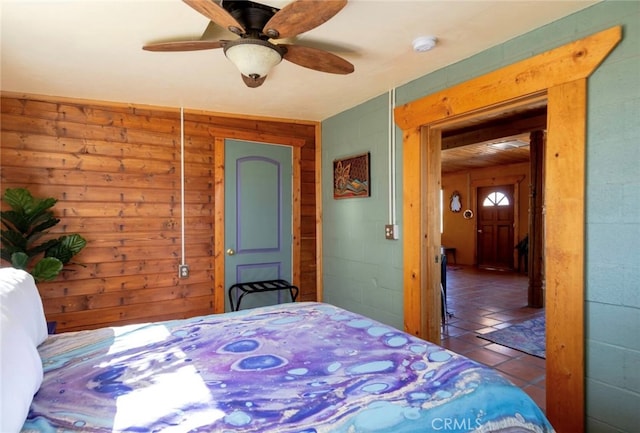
(495, 227)
(258, 208)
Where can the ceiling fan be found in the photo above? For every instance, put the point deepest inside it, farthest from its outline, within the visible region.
(253, 53)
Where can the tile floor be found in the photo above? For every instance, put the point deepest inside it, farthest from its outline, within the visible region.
(482, 301)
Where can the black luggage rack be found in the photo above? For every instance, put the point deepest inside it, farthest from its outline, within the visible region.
(261, 287)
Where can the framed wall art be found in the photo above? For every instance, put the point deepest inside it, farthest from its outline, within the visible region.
(351, 177)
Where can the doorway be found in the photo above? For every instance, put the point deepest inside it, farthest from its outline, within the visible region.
(258, 217)
(494, 234)
(503, 179)
(220, 241)
(484, 292)
(557, 78)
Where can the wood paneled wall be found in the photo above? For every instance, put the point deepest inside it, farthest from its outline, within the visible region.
(115, 170)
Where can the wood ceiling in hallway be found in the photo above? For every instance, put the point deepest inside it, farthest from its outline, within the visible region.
(494, 141)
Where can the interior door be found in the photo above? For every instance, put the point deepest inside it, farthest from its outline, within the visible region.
(495, 227)
(258, 218)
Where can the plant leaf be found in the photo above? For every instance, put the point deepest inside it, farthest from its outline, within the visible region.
(59, 251)
(47, 269)
(67, 247)
(74, 242)
(18, 198)
(19, 260)
(51, 243)
(27, 223)
(15, 220)
(48, 222)
(38, 208)
(14, 239)
(5, 254)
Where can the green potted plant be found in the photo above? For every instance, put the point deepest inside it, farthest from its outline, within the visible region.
(23, 230)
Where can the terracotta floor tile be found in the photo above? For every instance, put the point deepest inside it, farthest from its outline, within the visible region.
(503, 317)
(486, 321)
(522, 370)
(453, 319)
(492, 309)
(472, 338)
(471, 314)
(467, 325)
(534, 360)
(493, 300)
(484, 330)
(458, 346)
(515, 380)
(504, 350)
(453, 331)
(542, 383)
(487, 357)
(537, 394)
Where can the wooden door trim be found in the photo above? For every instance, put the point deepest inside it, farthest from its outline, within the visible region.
(561, 75)
(218, 225)
(296, 217)
(218, 219)
(513, 83)
(319, 237)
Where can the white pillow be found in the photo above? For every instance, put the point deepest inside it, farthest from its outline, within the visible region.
(21, 374)
(20, 300)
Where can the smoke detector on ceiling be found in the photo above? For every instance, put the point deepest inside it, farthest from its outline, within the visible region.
(424, 43)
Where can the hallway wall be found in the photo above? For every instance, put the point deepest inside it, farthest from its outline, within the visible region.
(460, 233)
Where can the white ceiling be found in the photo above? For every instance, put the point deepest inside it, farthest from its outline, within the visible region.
(91, 49)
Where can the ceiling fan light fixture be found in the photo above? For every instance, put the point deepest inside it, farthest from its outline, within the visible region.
(253, 57)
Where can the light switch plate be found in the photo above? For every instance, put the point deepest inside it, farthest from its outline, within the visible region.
(391, 231)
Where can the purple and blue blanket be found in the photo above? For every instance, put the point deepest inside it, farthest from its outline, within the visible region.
(291, 368)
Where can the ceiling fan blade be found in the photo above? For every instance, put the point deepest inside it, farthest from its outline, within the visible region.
(217, 14)
(318, 44)
(184, 45)
(301, 16)
(253, 82)
(214, 32)
(318, 60)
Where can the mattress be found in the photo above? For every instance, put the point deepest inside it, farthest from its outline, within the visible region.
(297, 367)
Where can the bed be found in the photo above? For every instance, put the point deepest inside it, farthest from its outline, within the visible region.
(290, 368)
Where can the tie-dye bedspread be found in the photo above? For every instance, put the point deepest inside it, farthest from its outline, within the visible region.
(292, 368)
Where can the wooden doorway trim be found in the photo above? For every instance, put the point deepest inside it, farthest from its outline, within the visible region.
(218, 217)
(560, 76)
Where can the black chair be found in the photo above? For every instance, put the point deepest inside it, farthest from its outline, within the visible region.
(443, 289)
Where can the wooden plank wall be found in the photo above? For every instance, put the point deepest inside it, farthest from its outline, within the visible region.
(116, 171)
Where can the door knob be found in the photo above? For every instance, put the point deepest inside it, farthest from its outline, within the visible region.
(230, 252)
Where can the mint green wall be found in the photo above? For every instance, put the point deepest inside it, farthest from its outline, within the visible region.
(363, 272)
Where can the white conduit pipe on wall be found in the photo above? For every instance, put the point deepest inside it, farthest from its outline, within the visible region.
(182, 184)
(392, 158)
